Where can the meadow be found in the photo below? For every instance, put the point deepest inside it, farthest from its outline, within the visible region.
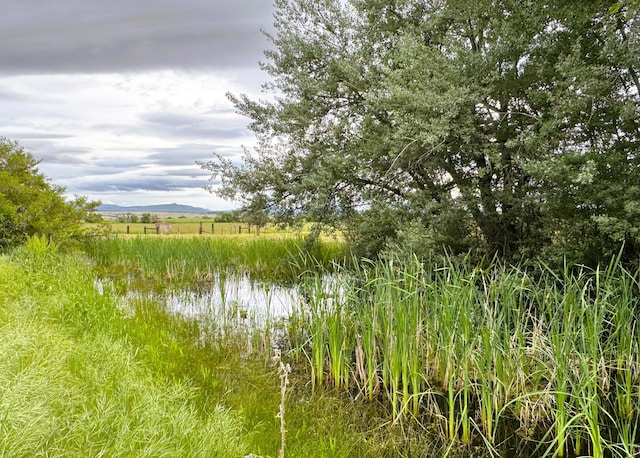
(388, 358)
(187, 225)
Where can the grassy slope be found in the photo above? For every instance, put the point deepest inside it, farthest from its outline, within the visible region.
(81, 377)
(71, 386)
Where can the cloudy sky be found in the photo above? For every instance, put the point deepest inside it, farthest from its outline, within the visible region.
(119, 98)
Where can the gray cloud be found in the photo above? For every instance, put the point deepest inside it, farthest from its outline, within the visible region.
(166, 181)
(64, 36)
(45, 149)
(189, 153)
(182, 125)
(84, 87)
(8, 95)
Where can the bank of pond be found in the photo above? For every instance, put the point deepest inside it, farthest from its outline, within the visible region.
(164, 347)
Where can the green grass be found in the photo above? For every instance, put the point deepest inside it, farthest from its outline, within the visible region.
(389, 358)
(72, 387)
(84, 372)
(493, 358)
(189, 226)
(188, 260)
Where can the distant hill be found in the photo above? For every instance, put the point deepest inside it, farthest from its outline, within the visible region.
(163, 208)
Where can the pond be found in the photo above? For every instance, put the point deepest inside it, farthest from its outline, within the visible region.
(235, 299)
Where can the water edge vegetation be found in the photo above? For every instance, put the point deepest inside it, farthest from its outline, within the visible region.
(466, 360)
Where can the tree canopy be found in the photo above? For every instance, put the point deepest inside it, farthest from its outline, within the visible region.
(30, 204)
(509, 127)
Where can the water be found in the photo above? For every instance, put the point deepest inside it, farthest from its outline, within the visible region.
(236, 299)
(234, 306)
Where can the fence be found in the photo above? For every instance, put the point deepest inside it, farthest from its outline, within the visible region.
(183, 228)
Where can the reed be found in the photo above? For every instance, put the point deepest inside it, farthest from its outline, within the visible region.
(189, 260)
(551, 357)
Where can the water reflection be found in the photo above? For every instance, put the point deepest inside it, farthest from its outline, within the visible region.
(235, 298)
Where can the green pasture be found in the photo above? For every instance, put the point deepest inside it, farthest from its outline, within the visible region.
(191, 227)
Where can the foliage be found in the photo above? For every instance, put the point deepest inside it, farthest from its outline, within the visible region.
(198, 259)
(31, 205)
(128, 218)
(514, 123)
(255, 213)
(232, 216)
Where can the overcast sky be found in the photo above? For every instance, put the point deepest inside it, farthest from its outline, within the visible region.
(119, 98)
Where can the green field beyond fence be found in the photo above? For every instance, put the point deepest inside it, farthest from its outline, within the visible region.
(191, 228)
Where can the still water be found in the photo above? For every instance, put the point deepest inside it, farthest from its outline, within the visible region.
(236, 298)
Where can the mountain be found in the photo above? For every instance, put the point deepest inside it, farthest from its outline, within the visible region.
(163, 208)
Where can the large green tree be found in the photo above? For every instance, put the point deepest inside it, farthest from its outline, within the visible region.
(30, 204)
(505, 125)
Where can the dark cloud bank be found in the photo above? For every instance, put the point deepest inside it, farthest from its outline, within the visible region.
(64, 36)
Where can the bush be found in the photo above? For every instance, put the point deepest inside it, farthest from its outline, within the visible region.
(31, 205)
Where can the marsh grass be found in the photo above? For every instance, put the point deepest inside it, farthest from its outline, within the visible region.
(188, 261)
(82, 374)
(516, 364)
(447, 360)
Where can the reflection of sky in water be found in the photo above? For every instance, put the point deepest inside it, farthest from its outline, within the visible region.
(235, 298)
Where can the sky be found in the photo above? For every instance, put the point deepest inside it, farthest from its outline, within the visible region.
(120, 98)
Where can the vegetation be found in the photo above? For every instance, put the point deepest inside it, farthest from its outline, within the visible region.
(86, 372)
(498, 362)
(188, 226)
(30, 205)
(437, 135)
(197, 259)
(507, 128)
(72, 384)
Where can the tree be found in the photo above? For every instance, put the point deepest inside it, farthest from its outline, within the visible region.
(255, 213)
(30, 204)
(512, 122)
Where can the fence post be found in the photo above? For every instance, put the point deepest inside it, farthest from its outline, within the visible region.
(239, 229)
(211, 228)
(200, 228)
(127, 228)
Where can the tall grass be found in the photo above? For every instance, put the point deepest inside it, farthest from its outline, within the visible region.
(85, 372)
(514, 363)
(189, 260)
(71, 387)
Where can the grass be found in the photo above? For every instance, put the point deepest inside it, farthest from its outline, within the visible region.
(70, 387)
(196, 259)
(388, 358)
(492, 356)
(190, 226)
(84, 372)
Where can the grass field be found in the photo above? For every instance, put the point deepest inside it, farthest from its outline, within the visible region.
(187, 227)
(71, 382)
